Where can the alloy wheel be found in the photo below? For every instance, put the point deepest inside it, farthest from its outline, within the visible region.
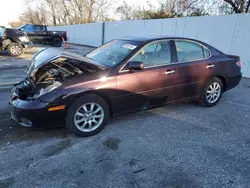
(16, 50)
(89, 117)
(213, 92)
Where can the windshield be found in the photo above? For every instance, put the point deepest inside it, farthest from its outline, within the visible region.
(113, 53)
(20, 27)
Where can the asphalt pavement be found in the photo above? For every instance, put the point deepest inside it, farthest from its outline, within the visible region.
(179, 145)
(8, 78)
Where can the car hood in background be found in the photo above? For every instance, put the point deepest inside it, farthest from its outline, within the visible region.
(46, 55)
(11, 31)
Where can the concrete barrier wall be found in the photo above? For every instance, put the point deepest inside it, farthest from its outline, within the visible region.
(86, 34)
(229, 33)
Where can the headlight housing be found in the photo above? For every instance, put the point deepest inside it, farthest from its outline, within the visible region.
(49, 88)
(24, 39)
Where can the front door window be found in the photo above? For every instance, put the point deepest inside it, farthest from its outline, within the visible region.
(155, 54)
(28, 28)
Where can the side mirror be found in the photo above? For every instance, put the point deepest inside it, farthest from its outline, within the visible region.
(135, 65)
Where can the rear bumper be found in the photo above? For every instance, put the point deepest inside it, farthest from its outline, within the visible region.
(233, 82)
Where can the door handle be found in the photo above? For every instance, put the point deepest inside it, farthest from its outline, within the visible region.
(169, 72)
(210, 66)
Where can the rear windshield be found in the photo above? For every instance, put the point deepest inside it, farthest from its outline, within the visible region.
(114, 52)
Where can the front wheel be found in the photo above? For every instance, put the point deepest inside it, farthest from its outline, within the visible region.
(15, 49)
(56, 41)
(212, 92)
(88, 115)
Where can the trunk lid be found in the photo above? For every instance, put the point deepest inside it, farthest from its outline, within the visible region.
(237, 58)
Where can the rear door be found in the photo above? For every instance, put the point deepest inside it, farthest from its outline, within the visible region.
(194, 68)
(152, 86)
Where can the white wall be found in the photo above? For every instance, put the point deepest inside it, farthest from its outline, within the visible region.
(230, 33)
(86, 34)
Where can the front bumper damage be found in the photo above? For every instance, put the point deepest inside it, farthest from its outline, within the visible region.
(27, 44)
(34, 113)
(22, 121)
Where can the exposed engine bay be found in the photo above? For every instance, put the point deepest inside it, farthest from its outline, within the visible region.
(50, 77)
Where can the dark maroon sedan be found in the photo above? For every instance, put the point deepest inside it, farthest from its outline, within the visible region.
(124, 75)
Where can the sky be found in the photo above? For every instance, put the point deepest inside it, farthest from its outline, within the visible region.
(13, 8)
(9, 10)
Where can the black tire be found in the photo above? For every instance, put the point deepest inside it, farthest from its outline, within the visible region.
(15, 49)
(204, 101)
(88, 98)
(56, 41)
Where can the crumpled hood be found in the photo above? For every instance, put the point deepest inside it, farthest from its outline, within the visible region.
(16, 32)
(46, 55)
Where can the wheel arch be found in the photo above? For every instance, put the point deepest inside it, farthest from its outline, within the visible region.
(15, 40)
(203, 101)
(224, 82)
(100, 94)
(56, 36)
(6, 43)
(11, 40)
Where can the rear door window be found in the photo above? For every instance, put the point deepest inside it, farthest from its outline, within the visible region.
(206, 52)
(190, 51)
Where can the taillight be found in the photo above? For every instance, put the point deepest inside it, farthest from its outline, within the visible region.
(239, 64)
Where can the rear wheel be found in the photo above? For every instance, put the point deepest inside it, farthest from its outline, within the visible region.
(88, 115)
(212, 92)
(15, 49)
(56, 41)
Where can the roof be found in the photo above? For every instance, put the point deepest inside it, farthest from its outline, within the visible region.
(143, 38)
(149, 38)
(146, 38)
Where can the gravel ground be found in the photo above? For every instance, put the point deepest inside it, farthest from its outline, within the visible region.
(180, 145)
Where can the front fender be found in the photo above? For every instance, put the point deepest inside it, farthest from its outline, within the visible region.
(62, 96)
(6, 43)
(16, 40)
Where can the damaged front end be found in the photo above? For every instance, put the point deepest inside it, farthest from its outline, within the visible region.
(48, 70)
(29, 90)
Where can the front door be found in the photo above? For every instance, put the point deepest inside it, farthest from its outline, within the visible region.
(30, 30)
(152, 86)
